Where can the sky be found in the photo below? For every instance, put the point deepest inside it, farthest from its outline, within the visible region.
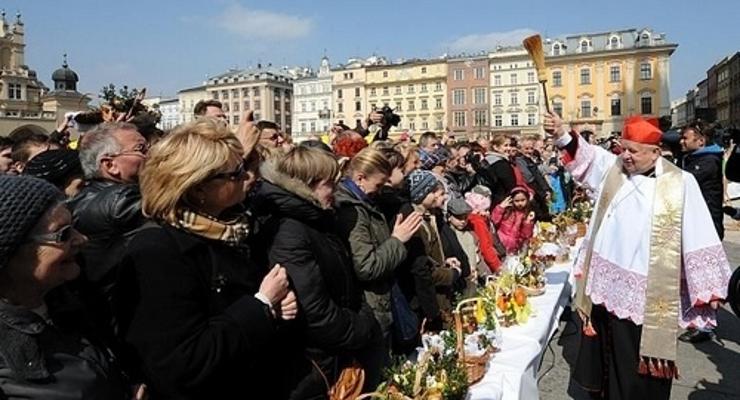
(167, 45)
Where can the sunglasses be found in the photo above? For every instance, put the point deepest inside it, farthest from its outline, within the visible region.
(238, 174)
(141, 149)
(62, 235)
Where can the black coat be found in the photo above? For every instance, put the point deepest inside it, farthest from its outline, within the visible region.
(499, 177)
(54, 361)
(334, 325)
(706, 166)
(186, 307)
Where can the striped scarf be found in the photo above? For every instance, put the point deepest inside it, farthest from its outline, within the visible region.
(233, 232)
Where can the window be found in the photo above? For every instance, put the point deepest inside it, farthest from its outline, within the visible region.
(349, 75)
(235, 106)
(257, 116)
(557, 79)
(497, 99)
(614, 74)
(424, 104)
(514, 98)
(14, 91)
(459, 75)
(256, 92)
(497, 120)
(584, 46)
(412, 105)
(215, 95)
(423, 70)
(398, 105)
(385, 90)
(530, 119)
(245, 92)
(235, 120)
(373, 92)
(358, 106)
(313, 126)
(411, 89)
(246, 104)
(479, 73)
(614, 42)
(646, 72)
(585, 76)
(530, 97)
(226, 107)
(497, 80)
(234, 92)
(385, 74)
(459, 118)
(514, 120)
(357, 92)
(398, 90)
(438, 87)
(277, 92)
(412, 126)
(438, 103)
(257, 106)
(557, 108)
(513, 79)
(481, 118)
(224, 94)
(479, 96)
(646, 104)
(438, 124)
(530, 77)
(616, 107)
(313, 106)
(585, 108)
(339, 93)
(556, 49)
(458, 97)
(423, 88)
(340, 107)
(303, 127)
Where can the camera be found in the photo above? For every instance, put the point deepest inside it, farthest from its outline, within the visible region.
(389, 119)
(475, 160)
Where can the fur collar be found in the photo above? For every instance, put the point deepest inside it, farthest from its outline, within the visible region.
(269, 172)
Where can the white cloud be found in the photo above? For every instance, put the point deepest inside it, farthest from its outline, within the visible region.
(489, 41)
(261, 24)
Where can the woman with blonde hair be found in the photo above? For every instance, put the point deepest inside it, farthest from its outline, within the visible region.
(294, 206)
(377, 250)
(197, 314)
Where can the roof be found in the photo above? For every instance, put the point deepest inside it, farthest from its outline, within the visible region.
(193, 89)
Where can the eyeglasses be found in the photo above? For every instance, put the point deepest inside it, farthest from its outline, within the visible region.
(141, 149)
(62, 235)
(238, 174)
(273, 138)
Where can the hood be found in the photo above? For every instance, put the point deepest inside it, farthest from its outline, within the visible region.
(493, 157)
(711, 149)
(285, 196)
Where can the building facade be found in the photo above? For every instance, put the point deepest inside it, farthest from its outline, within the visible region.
(602, 78)
(348, 93)
(468, 112)
(515, 92)
(267, 91)
(170, 110)
(21, 92)
(188, 98)
(679, 111)
(312, 102)
(416, 90)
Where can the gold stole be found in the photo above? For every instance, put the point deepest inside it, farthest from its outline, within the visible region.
(660, 322)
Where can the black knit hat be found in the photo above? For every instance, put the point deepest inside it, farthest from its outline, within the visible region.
(55, 166)
(23, 201)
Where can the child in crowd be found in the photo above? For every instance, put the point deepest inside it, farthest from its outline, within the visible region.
(514, 220)
(458, 212)
(479, 200)
(555, 179)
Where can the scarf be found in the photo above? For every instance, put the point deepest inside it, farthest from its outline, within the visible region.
(233, 232)
(662, 301)
(355, 190)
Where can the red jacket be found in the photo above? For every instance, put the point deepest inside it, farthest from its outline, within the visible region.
(483, 232)
(512, 228)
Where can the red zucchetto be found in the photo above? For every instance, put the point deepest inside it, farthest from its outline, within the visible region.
(640, 130)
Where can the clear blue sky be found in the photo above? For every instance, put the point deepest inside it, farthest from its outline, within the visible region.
(167, 45)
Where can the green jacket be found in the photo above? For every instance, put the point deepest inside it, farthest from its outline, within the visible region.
(375, 254)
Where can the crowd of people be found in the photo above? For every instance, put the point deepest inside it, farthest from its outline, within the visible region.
(211, 264)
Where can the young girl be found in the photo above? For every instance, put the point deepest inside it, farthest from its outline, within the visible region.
(479, 200)
(514, 220)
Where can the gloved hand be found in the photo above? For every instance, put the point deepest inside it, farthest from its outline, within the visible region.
(731, 211)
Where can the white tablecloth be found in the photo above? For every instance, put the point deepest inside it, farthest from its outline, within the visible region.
(512, 372)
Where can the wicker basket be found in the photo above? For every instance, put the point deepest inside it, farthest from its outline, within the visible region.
(475, 366)
(582, 228)
(533, 292)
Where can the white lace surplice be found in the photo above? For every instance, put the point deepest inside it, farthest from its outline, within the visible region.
(619, 264)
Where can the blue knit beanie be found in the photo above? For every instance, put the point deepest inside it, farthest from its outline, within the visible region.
(23, 201)
(420, 184)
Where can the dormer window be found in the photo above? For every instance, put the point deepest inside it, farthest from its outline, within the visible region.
(614, 42)
(584, 46)
(556, 49)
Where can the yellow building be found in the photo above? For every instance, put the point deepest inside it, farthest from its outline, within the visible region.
(601, 78)
(188, 98)
(416, 89)
(348, 93)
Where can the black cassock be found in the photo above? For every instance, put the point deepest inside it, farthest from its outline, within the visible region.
(607, 364)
